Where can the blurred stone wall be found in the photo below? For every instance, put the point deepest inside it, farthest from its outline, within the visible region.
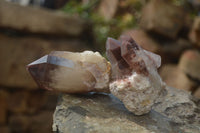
(26, 34)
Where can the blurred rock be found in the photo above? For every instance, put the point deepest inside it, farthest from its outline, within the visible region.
(38, 20)
(190, 63)
(97, 113)
(108, 8)
(172, 50)
(35, 101)
(16, 53)
(197, 93)
(17, 102)
(179, 106)
(104, 113)
(19, 123)
(176, 78)
(195, 32)
(3, 107)
(31, 102)
(50, 100)
(144, 40)
(39, 123)
(163, 18)
(195, 4)
(4, 129)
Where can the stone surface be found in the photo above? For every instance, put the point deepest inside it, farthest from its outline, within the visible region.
(36, 20)
(189, 63)
(24, 50)
(3, 107)
(137, 83)
(176, 78)
(97, 112)
(163, 18)
(71, 72)
(179, 106)
(108, 8)
(194, 34)
(144, 40)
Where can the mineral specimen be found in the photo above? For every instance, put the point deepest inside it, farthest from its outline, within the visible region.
(135, 80)
(71, 72)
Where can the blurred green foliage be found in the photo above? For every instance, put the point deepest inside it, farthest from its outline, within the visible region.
(102, 28)
(76, 7)
(126, 17)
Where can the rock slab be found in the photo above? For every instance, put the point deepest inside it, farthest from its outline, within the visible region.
(37, 20)
(100, 112)
(163, 18)
(189, 63)
(176, 78)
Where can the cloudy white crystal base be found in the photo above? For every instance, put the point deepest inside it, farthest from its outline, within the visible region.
(136, 92)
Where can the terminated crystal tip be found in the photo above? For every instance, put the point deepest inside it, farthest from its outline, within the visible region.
(71, 72)
(135, 79)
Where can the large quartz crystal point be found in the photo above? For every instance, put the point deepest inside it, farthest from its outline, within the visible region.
(135, 80)
(71, 72)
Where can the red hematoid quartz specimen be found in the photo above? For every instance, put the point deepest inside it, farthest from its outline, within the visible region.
(126, 57)
(135, 80)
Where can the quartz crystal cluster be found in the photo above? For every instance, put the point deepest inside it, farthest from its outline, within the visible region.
(135, 80)
(71, 72)
(132, 75)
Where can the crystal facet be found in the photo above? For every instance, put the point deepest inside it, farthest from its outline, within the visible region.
(71, 72)
(139, 84)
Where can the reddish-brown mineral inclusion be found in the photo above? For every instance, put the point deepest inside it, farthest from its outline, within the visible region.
(122, 54)
(113, 51)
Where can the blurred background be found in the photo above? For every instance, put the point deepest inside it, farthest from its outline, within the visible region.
(30, 29)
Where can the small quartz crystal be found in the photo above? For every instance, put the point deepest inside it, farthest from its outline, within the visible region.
(71, 72)
(135, 80)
